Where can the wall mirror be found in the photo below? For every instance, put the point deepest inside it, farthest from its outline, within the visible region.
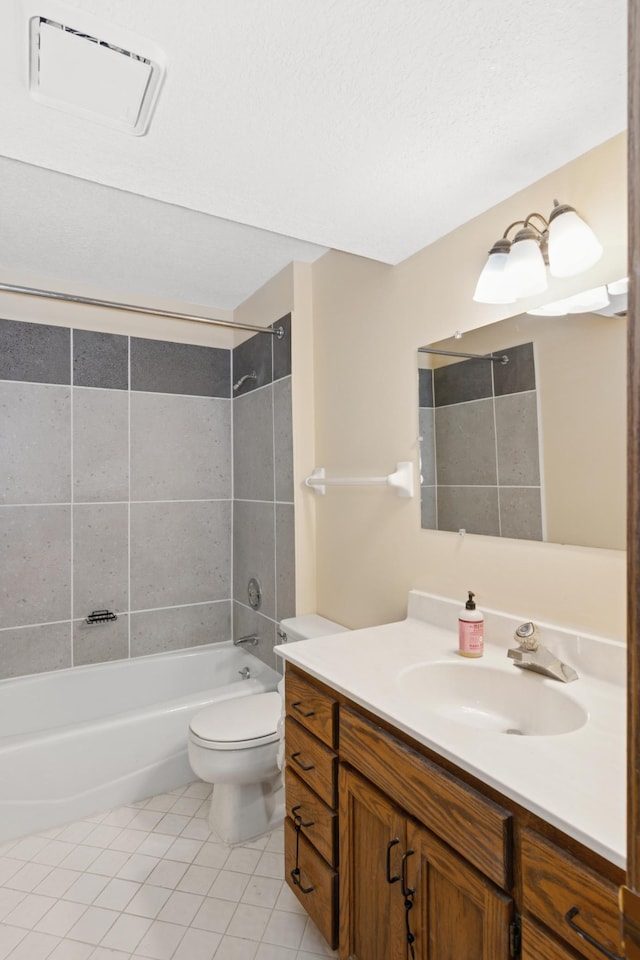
(533, 448)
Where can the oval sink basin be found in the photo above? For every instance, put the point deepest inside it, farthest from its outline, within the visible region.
(520, 703)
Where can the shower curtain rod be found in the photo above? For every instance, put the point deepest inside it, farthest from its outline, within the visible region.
(130, 308)
(503, 358)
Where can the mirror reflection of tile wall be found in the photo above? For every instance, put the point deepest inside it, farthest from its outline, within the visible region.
(480, 460)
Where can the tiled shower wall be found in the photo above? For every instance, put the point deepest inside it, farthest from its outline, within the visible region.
(480, 460)
(116, 492)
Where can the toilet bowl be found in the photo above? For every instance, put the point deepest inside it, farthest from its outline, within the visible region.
(234, 744)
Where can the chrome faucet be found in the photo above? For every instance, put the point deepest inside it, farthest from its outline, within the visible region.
(250, 640)
(531, 655)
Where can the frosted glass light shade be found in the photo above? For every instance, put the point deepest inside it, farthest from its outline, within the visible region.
(525, 270)
(573, 246)
(493, 286)
(589, 301)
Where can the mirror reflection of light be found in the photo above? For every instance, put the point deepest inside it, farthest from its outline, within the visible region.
(588, 301)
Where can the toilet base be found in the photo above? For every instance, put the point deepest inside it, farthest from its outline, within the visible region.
(241, 812)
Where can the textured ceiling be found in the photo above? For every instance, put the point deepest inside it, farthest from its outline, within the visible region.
(373, 126)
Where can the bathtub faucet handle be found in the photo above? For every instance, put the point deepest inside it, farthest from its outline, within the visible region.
(250, 640)
(245, 673)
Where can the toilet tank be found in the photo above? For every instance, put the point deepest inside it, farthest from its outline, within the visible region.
(311, 625)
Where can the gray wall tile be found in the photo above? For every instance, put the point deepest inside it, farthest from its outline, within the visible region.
(425, 387)
(163, 367)
(100, 642)
(100, 558)
(100, 360)
(462, 381)
(180, 447)
(474, 509)
(255, 355)
(29, 650)
(465, 443)
(246, 621)
(35, 352)
(282, 349)
(35, 564)
(427, 445)
(253, 446)
(283, 440)
(517, 440)
(519, 374)
(179, 553)
(428, 516)
(35, 435)
(521, 513)
(254, 552)
(177, 628)
(285, 561)
(100, 445)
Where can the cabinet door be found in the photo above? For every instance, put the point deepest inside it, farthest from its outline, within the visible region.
(457, 913)
(371, 845)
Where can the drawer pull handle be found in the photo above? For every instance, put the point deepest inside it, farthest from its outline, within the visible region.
(294, 757)
(392, 843)
(570, 914)
(295, 876)
(296, 707)
(297, 818)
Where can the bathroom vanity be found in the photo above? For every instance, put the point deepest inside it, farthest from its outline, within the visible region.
(399, 847)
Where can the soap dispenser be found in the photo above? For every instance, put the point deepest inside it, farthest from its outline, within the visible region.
(470, 629)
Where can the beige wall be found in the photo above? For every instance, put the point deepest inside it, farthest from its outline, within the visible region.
(368, 321)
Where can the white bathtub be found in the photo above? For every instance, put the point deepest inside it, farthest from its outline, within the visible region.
(74, 742)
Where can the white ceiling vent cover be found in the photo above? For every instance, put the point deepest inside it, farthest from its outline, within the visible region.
(92, 77)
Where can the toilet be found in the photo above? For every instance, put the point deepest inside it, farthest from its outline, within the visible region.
(233, 744)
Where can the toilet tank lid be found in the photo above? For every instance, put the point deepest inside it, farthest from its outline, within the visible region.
(311, 625)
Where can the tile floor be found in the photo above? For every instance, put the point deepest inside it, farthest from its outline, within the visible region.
(149, 881)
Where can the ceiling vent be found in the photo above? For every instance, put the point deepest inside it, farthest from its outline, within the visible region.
(92, 77)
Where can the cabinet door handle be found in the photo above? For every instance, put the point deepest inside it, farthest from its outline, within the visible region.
(294, 757)
(569, 915)
(392, 843)
(296, 707)
(295, 876)
(297, 818)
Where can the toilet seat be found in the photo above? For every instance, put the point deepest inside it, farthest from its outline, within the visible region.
(238, 723)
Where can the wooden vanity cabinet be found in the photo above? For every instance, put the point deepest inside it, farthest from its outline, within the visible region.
(383, 824)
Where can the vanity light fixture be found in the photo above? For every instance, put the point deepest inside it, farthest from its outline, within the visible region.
(517, 268)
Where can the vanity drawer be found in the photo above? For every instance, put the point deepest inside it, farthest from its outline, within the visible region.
(319, 880)
(537, 944)
(319, 822)
(312, 708)
(475, 827)
(553, 883)
(311, 760)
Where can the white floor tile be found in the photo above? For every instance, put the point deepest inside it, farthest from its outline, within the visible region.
(117, 894)
(149, 901)
(160, 940)
(109, 862)
(128, 840)
(168, 873)
(105, 953)
(54, 853)
(27, 848)
(233, 948)
(198, 789)
(181, 908)
(9, 899)
(126, 933)
(214, 915)
(314, 942)
(71, 950)
(56, 883)
(145, 820)
(184, 849)
(162, 803)
(249, 922)
(197, 945)
(229, 886)
(288, 901)
(196, 829)
(172, 823)
(213, 855)
(138, 867)
(262, 892)
(267, 951)
(120, 817)
(61, 917)
(76, 832)
(10, 937)
(93, 925)
(86, 888)
(103, 836)
(285, 929)
(35, 946)
(29, 911)
(197, 879)
(28, 877)
(270, 865)
(8, 868)
(81, 857)
(155, 845)
(243, 860)
(186, 806)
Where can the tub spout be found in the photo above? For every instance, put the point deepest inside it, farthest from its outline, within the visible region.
(250, 640)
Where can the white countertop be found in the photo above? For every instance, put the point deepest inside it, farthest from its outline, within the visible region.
(576, 780)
